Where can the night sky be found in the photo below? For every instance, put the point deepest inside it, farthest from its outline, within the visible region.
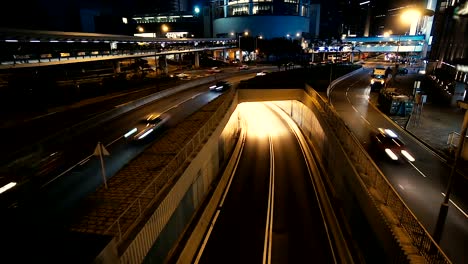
(65, 15)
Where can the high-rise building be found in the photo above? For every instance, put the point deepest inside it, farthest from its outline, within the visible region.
(266, 18)
(450, 39)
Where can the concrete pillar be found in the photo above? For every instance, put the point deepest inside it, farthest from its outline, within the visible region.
(116, 66)
(197, 60)
(163, 64)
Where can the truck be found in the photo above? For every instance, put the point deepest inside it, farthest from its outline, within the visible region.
(377, 78)
(379, 71)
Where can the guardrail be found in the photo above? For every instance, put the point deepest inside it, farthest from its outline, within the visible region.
(453, 140)
(134, 212)
(35, 59)
(379, 187)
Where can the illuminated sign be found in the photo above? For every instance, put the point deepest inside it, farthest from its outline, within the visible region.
(176, 34)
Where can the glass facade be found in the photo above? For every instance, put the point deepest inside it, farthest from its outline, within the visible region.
(232, 8)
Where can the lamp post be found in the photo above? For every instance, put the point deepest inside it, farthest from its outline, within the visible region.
(246, 33)
(256, 51)
(445, 203)
(408, 17)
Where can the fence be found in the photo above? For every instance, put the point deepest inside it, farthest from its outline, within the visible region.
(135, 211)
(376, 183)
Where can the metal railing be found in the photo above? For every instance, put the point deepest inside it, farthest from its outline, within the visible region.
(134, 212)
(453, 140)
(116, 54)
(374, 179)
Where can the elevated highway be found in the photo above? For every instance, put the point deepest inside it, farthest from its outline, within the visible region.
(31, 48)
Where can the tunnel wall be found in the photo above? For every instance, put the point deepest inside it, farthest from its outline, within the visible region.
(383, 227)
(169, 221)
(356, 185)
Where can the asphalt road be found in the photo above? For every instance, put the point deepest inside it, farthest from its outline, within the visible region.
(420, 183)
(39, 213)
(270, 213)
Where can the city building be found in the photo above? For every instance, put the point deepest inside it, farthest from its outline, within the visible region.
(448, 58)
(182, 24)
(269, 19)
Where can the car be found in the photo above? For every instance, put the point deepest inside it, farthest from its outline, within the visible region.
(146, 127)
(402, 71)
(220, 86)
(387, 142)
(243, 67)
(214, 70)
(182, 75)
(262, 73)
(377, 82)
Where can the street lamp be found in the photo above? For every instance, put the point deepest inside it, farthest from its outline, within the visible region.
(164, 28)
(408, 17)
(256, 50)
(246, 33)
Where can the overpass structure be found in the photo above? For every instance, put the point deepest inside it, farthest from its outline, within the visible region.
(139, 224)
(31, 48)
(387, 44)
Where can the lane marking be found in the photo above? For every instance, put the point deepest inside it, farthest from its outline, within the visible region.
(365, 120)
(269, 220)
(417, 169)
(399, 185)
(83, 162)
(218, 211)
(205, 241)
(300, 138)
(458, 207)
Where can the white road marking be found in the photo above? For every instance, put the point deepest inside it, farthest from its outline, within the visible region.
(459, 209)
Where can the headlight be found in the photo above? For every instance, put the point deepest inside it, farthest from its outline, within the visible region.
(381, 81)
(372, 81)
(391, 154)
(131, 132)
(407, 155)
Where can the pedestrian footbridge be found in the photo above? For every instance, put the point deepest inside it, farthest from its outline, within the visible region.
(387, 44)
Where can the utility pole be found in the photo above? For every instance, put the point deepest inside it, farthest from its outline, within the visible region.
(445, 203)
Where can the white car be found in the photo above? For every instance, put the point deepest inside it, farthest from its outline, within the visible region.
(243, 67)
(182, 75)
(220, 86)
(214, 70)
(262, 73)
(146, 127)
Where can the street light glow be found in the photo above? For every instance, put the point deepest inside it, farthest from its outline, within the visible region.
(165, 28)
(410, 16)
(197, 10)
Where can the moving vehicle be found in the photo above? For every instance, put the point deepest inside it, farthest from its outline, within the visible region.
(402, 71)
(182, 75)
(377, 78)
(262, 73)
(379, 71)
(243, 67)
(146, 127)
(220, 86)
(377, 82)
(387, 141)
(214, 70)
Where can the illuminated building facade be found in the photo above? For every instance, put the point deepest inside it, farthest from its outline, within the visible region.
(266, 18)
